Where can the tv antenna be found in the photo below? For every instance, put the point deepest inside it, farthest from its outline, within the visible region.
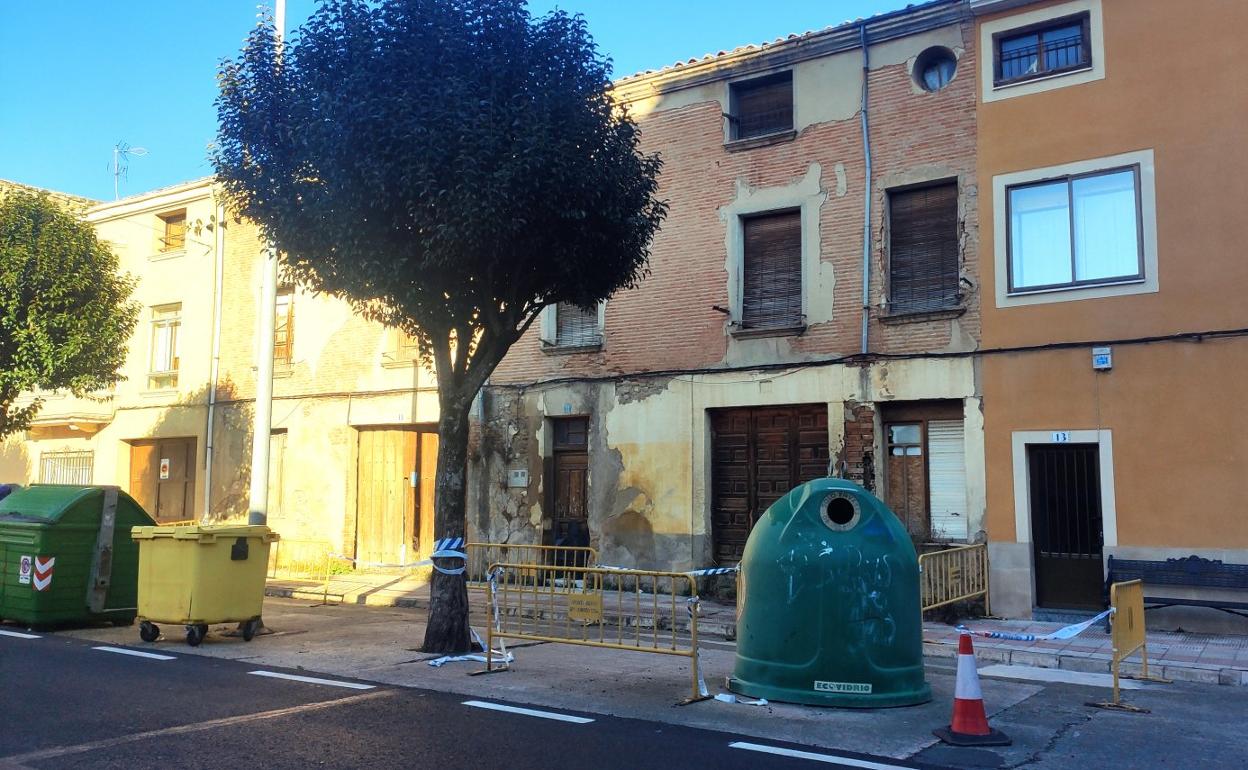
(122, 152)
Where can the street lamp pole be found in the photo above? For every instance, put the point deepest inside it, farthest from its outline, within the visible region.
(259, 503)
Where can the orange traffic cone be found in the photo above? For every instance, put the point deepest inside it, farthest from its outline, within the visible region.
(970, 723)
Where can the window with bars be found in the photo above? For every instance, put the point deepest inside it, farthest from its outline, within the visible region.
(166, 323)
(174, 238)
(923, 249)
(66, 467)
(284, 326)
(1050, 48)
(1075, 231)
(576, 327)
(771, 286)
(761, 106)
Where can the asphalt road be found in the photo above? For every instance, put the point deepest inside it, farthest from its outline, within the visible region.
(67, 703)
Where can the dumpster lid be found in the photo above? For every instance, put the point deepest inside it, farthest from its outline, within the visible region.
(203, 532)
(43, 503)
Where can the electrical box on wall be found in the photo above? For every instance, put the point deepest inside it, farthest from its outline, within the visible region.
(517, 478)
(1102, 358)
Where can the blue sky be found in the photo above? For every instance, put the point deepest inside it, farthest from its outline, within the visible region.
(77, 76)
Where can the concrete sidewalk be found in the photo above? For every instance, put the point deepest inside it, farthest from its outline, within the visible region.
(1203, 658)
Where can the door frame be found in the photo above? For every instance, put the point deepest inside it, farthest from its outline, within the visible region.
(1103, 438)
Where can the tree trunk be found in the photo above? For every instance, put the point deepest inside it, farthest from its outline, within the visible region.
(447, 630)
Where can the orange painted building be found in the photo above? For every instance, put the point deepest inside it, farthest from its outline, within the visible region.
(1112, 170)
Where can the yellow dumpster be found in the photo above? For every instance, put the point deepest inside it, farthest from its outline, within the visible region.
(197, 575)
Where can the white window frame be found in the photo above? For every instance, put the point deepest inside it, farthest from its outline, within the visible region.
(987, 61)
(549, 327)
(1148, 284)
(166, 379)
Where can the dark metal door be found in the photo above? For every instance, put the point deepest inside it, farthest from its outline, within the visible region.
(1066, 531)
(758, 455)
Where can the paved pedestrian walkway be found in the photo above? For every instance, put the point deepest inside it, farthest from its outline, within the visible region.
(1204, 658)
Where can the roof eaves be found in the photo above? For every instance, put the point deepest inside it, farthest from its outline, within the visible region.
(789, 50)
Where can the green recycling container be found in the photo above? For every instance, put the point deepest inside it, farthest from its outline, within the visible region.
(828, 606)
(66, 555)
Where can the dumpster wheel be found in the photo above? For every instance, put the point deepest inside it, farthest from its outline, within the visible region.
(196, 634)
(149, 632)
(249, 629)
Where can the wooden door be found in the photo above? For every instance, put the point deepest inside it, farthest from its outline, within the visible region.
(394, 494)
(905, 477)
(1066, 535)
(162, 477)
(570, 515)
(758, 455)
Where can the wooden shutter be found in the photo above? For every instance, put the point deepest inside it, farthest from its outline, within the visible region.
(763, 106)
(284, 328)
(771, 295)
(923, 249)
(576, 326)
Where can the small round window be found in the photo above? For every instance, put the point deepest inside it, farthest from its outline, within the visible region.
(840, 512)
(935, 68)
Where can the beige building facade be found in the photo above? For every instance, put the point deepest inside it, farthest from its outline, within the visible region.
(352, 444)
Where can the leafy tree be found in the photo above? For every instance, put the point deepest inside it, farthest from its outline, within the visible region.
(450, 167)
(65, 311)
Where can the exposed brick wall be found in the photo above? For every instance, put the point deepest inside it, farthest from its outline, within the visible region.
(856, 459)
(668, 321)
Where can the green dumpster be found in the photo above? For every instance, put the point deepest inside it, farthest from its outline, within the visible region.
(66, 555)
(828, 604)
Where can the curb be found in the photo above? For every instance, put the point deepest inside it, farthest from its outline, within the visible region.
(1198, 672)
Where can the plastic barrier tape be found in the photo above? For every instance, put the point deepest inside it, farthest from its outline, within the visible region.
(1069, 632)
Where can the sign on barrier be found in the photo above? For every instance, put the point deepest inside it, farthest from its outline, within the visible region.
(1128, 635)
(621, 609)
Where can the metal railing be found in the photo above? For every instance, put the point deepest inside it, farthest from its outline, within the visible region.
(482, 555)
(619, 609)
(300, 557)
(954, 575)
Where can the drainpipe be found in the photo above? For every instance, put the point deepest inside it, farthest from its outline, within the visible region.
(218, 245)
(866, 216)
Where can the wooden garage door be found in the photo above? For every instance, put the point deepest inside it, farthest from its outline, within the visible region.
(162, 477)
(395, 488)
(758, 455)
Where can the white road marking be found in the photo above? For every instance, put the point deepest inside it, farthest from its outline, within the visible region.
(81, 748)
(480, 704)
(830, 759)
(136, 653)
(20, 635)
(1030, 674)
(313, 680)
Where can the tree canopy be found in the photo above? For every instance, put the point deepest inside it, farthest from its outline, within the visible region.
(450, 167)
(65, 310)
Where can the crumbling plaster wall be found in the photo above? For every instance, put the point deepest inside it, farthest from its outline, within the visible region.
(650, 448)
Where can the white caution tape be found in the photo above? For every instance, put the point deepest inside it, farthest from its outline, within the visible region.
(1069, 632)
(727, 697)
(693, 604)
(693, 572)
(439, 662)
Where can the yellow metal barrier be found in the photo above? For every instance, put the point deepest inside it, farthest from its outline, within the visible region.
(482, 555)
(619, 609)
(1128, 635)
(954, 575)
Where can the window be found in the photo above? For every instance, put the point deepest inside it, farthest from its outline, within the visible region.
(761, 106)
(174, 238)
(166, 320)
(934, 68)
(404, 348)
(66, 467)
(1048, 48)
(284, 326)
(923, 249)
(576, 326)
(1075, 231)
(771, 286)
